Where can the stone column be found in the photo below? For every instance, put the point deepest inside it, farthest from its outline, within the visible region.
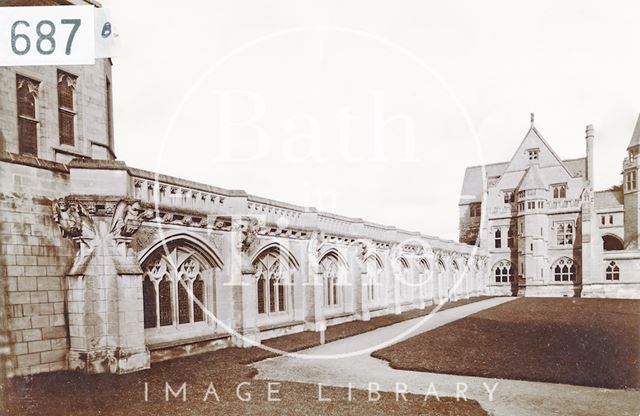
(104, 290)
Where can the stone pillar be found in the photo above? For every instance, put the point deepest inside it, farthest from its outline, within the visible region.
(316, 320)
(104, 301)
(104, 289)
(248, 333)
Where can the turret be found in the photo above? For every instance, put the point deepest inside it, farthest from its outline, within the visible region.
(630, 174)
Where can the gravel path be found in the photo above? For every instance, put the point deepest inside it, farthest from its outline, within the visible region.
(510, 397)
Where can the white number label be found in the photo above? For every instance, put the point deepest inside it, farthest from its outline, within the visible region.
(56, 35)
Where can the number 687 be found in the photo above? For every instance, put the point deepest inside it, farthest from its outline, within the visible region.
(45, 29)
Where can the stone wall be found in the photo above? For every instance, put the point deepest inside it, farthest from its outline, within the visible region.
(76, 238)
(34, 258)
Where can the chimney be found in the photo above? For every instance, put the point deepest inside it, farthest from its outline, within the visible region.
(589, 138)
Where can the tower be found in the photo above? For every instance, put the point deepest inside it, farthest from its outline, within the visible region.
(630, 167)
(532, 228)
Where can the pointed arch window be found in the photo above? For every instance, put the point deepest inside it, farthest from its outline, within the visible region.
(403, 276)
(559, 190)
(331, 281)
(272, 282)
(504, 272)
(612, 272)
(372, 283)
(173, 288)
(564, 270)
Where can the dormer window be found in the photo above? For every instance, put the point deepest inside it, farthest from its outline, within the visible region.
(533, 154)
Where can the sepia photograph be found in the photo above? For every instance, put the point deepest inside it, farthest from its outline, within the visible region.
(319, 207)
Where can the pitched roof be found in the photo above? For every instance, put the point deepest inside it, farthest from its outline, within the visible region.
(608, 198)
(472, 183)
(635, 137)
(532, 179)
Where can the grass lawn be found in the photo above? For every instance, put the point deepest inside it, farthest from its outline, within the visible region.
(590, 342)
(71, 393)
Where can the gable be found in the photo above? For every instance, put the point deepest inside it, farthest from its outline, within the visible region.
(546, 156)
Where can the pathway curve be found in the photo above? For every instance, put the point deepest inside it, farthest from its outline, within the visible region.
(510, 397)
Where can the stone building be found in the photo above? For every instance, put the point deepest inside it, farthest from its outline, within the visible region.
(108, 268)
(546, 231)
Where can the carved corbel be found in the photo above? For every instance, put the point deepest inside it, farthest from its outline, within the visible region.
(127, 218)
(73, 219)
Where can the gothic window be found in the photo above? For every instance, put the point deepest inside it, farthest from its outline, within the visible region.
(405, 287)
(611, 219)
(331, 280)
(66, 113)
(564, 270)
(564, 234)
(272, 281)
(372, 282)
(503, 272)
(559, 190)
(612, 272)
(27, 92)
(498, 238)
(173, 288)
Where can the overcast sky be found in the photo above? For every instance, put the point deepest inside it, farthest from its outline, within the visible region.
(369, 109)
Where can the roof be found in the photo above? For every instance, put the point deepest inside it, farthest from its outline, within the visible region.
(635, 137)
(608, 199)
(532, 179)
(472, 182)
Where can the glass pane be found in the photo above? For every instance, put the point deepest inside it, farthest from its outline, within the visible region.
(260, 287)
(198, 293)
(183, 304)
(272, 294)
(282, 304)
(28, 137)
(164, 290)
(149, 303)
(65, 123)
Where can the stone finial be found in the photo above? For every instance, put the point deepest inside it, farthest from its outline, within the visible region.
(532, 118)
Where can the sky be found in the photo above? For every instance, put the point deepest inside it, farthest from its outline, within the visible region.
(369, 109)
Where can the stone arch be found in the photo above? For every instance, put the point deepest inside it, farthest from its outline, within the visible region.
(332, 251)
(283, 251)
(424, 266)
(204, 249)
(372, 283)
(612, 242)
(177, 283)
